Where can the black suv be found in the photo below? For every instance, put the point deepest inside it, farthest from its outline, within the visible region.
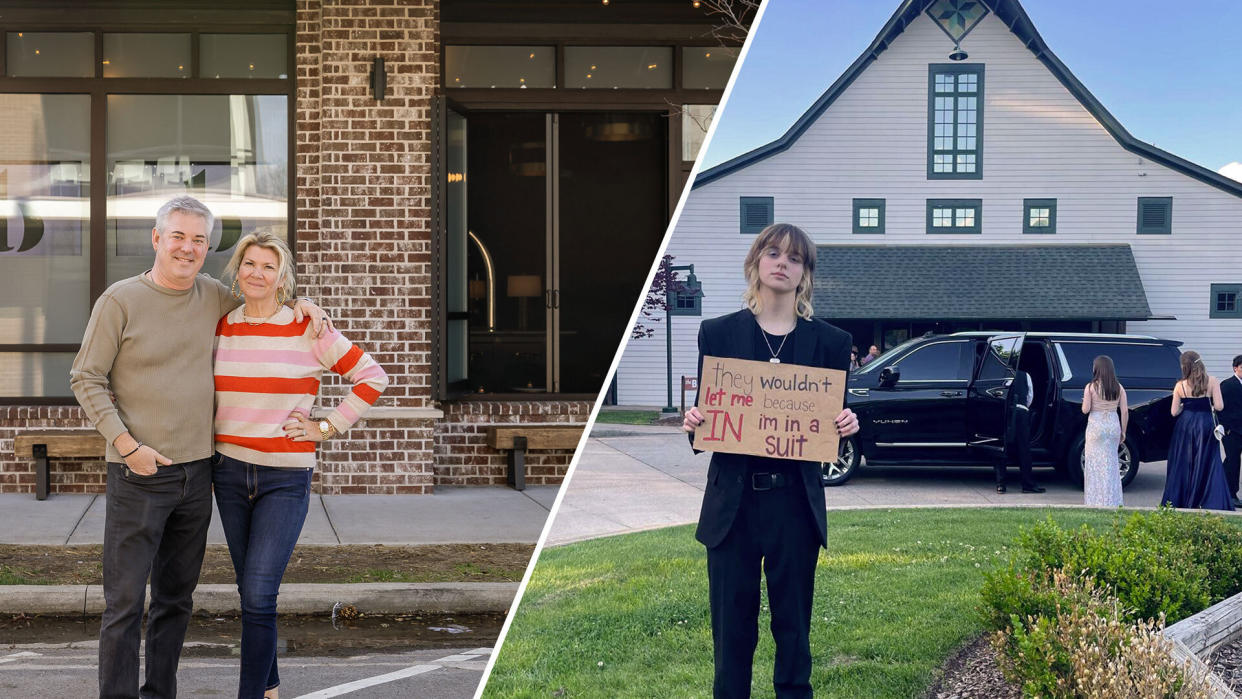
(940, 399)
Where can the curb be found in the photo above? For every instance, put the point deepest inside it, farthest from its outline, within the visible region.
(295, 598)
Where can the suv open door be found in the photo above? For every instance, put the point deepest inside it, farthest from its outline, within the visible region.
(988, 395)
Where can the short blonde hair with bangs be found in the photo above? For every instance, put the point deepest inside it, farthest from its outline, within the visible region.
(270, 239)
(782, 236)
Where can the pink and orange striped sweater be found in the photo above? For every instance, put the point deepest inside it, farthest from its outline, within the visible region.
(265, 372)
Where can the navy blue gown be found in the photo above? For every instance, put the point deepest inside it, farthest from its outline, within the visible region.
(1195, 477)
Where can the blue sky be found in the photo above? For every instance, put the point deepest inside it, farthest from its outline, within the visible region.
(1170, 72)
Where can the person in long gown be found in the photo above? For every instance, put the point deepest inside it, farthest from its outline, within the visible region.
(1195, 477)
(1101, 401)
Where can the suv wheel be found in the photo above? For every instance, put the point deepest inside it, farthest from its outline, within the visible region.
(839, 471)
(1127, 454)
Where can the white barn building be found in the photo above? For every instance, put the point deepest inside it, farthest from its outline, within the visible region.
(986, 192)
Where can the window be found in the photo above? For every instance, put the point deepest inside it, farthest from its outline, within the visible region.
(228, 148)
(955, 122)
(707, 67)
(619, 67)
(1155, 215)
(939, 361)
(868, 215)
(1039, 215)
(1226, 301)
(500, 66)
(757, 214)
(1131, 361)
(954, 215)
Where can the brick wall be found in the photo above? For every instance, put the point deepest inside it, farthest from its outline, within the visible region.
(363, 202)
(463, 457)
(66, 476)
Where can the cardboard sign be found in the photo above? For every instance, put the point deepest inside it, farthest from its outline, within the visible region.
(784, 411)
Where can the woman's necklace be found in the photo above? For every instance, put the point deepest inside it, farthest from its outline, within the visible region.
(253, 320)
(775, 354)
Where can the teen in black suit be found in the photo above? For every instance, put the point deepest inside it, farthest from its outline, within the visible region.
(1018, 434)
(764, 512)
(1231, 419)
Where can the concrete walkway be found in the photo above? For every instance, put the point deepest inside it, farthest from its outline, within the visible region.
(450, 516)
(636, 478)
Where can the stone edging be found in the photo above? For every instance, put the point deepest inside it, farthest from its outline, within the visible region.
(1198, 635)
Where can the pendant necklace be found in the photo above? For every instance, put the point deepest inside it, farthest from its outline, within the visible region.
(775, 354)
(252, 320)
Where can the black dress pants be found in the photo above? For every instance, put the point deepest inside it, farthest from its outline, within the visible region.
(774, 529)
(154, 525)
(1018, 448)
(1233, 459)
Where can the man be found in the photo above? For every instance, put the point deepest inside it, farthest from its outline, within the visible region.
(144, 378)
(871, 356)
(1018, 433)
(1231, 420)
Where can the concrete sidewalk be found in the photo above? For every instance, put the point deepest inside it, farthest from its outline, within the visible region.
(484, 515)
(633, 478)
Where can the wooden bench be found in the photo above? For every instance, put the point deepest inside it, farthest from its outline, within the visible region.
(62, 444)
(518, 440)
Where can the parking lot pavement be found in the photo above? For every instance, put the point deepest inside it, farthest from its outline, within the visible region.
(631, 483)
(447, 673)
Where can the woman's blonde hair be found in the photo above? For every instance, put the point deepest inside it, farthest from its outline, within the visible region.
(270, 239)
(784, 237)
(1194, 373)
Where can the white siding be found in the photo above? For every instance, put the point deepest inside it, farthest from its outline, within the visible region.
(1039, 142)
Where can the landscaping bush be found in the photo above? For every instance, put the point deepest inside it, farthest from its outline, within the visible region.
(1087, 648)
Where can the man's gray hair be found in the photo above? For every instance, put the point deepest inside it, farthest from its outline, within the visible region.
(186, 205)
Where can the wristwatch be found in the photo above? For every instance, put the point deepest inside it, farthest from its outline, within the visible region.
(326, 430)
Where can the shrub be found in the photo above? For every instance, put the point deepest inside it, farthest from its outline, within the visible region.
(1087, 648)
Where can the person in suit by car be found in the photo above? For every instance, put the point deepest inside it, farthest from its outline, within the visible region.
(1018, 433)
(763, 513)
(1231, 419)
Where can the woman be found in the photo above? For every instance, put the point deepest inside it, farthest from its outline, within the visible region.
(267, 376)
(854, 358)
(1101, 400)
(1195, 476)
(761, 511)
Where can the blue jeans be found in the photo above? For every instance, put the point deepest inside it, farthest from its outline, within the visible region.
(262, 510)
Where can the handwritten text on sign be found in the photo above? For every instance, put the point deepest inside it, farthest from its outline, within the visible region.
(784, 411)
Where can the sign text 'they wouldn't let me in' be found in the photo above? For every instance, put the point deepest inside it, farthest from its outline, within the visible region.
(784, 411)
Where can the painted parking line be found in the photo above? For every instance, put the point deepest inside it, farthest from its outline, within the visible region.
(18, 656)
(394, 676)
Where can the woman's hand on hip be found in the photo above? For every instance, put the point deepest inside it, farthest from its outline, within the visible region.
(299, 428)
(847, 423)
(692, 419)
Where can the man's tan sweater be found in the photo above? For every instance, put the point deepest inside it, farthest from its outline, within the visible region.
(149, 347)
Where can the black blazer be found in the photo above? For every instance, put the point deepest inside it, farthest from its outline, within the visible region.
(1231, 393)
(733, 336)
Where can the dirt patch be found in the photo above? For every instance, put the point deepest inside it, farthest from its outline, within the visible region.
(80, 565)
(972, 673)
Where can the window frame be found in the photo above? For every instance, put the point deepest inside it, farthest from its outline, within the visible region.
(695, 310)
(1051, 205)
(977, 204)
(954, 69)
(857, 226)
(770, 202)
(1166, 229)
(1215, 291)
(98, 88)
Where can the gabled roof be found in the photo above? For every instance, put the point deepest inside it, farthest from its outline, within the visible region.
(979, 282)
(1011, 13)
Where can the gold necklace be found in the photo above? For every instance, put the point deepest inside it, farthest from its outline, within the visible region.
(253, 320)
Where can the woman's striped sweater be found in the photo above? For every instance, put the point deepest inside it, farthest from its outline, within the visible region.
(267, 371)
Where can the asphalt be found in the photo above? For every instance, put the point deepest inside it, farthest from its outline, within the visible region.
(450, 516)
(634, 478)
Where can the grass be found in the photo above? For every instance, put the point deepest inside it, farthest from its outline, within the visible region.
(897, 592)
(628, 417)
(9, 576)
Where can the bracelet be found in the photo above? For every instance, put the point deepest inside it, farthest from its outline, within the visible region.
(131, 453)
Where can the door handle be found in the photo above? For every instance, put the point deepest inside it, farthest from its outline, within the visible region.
(950, 394)
(547, 298)
(997, 392)
(556, 298)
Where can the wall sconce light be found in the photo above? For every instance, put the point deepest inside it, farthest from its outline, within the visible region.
(379, 81)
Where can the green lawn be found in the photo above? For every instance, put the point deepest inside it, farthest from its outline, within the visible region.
(628, 417)
(896, 593)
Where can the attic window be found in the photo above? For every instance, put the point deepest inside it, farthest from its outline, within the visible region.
(955, 122)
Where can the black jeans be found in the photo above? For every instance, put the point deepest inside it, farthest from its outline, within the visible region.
(1233, 458)
(155, 525)
(774, 530)
(1018, 448)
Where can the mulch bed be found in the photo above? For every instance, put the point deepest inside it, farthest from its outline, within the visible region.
(972, 673)
(1226, 662)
